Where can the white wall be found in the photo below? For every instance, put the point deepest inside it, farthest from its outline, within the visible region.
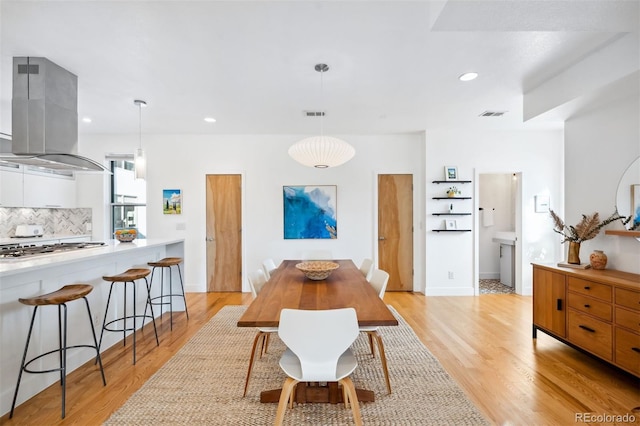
(536, 155)
(599, 146)
(183, 161)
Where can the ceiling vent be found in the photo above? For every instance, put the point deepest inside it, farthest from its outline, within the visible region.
(493, 113)
(313, 113)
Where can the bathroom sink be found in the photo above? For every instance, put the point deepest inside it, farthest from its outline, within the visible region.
(505, 237)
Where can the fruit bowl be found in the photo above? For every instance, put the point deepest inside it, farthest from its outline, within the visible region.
(126, 235)
(317, 270)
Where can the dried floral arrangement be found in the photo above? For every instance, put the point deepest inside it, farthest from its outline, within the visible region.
(588, 227)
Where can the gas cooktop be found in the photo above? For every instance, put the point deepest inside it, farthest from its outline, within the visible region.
(15, 251)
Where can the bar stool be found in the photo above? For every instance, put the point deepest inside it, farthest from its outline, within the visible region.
(167, 299)
(60, 298)
(129, 276)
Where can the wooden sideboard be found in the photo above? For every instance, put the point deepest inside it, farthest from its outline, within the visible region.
(597, 311)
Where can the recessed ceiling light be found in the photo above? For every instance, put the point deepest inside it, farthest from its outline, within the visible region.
(210, 119)
(468, 76)
(86, 119)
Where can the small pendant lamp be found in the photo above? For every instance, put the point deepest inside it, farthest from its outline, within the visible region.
(139, 159)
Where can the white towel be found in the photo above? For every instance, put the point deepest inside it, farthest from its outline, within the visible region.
(487, 217)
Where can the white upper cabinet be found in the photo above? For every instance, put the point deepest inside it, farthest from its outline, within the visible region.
(29, 188)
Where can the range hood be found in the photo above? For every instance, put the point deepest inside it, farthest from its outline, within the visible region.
(44, 117)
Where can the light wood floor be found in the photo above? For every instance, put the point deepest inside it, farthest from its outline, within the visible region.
(483, 342)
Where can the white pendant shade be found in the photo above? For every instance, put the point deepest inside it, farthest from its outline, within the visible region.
(321, 152)
(140, 164)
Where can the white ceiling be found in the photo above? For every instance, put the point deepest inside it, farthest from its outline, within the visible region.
(250, 64)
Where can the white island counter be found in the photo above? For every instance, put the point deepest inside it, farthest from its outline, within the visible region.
(47, 273)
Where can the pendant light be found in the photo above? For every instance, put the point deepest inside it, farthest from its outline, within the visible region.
(321, 151)
(139, 159)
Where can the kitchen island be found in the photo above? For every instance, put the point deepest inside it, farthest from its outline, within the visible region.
(47, 273)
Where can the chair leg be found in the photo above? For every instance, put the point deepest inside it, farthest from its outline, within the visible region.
(383, 358)
(251, 359)
(95, 341)
(373, 352)
(265, 344)
(287, 387)
(353, 398)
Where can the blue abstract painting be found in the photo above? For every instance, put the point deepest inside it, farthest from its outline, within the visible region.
(310, 212)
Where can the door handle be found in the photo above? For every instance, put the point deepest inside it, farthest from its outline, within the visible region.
(381, 238)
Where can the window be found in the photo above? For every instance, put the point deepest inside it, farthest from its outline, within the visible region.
(128, 197)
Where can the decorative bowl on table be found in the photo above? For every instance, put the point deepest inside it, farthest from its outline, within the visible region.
(125, 235)
(317, 270)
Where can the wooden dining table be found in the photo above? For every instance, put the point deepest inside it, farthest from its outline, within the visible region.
(288, 287)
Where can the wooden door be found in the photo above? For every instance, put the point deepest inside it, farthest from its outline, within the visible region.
(395, 230)
(224, 233)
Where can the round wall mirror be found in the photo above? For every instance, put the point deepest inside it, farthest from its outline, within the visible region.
(628, 193)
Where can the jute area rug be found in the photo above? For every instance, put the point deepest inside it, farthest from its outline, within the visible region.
(202, 384)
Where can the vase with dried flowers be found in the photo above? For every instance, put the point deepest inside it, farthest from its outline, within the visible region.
(588, 227)
(453, 191)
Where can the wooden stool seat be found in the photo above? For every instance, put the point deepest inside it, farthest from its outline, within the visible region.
(128, 275)
(167, 261)
(58, 297)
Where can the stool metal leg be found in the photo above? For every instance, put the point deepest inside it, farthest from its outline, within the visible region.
(95, 341)
(153, 317)
(24, 359)
(184, 297)
(63, 350)
(104, 321)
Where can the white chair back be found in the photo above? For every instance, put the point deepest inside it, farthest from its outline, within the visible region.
(366, 266)
(317, 255)
(379, 280)
(256, 281)
(318, 338)
(269, 266)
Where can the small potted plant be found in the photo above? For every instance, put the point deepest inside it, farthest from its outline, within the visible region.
(453, 191)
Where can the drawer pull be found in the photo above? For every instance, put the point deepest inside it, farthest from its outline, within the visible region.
(587, 306)
(584, 327)
(635, 349)
(586, 287)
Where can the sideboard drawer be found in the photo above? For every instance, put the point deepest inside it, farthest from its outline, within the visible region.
(628, 319)
(595, 307)
(628, 350)
(628, 298)
(591, 334)
(590, 288)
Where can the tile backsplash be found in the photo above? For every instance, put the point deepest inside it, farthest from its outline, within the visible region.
(54, 221)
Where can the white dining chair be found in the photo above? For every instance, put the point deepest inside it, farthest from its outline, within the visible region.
(378, 281)
(269, 266)
(257, 280)
(317, 255)
(365, 267)
(318, 350)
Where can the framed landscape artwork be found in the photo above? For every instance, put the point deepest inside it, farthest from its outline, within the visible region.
(310, 212)
(172, 201)
(450, 173)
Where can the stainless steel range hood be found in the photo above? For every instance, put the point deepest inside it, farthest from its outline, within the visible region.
(44, 117)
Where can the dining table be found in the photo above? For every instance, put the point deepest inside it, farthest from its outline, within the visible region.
(345, 287)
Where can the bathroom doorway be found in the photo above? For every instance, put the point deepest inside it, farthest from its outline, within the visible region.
(499, 217)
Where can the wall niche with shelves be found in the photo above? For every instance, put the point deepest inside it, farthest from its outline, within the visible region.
(461, 208)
